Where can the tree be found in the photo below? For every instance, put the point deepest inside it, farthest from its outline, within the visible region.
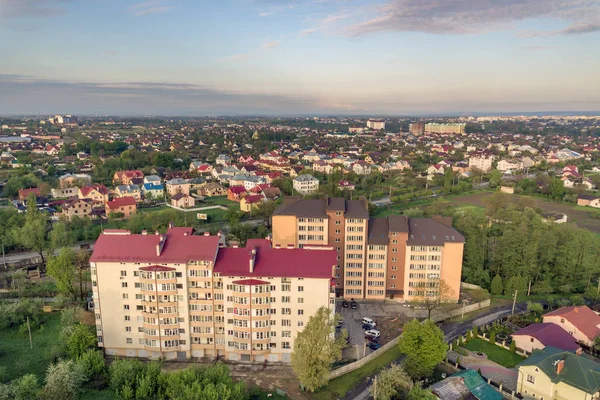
(436, 295)
(232, 215)
(61, 235)
(62, 269)
(82, 338)
(316, 348)
(557, 189)
(91, 364)
(418, 393)
(535, 308)
(265, 211)
(513, 347)
(34, 234)
(62, 381)
(497, 287)
(391, 384)
(424, 346)
(492, 337)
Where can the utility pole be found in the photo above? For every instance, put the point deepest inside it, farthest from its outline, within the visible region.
(4, 258)
(514, 302)
(375, 388)
(29, 329)
(463, 311)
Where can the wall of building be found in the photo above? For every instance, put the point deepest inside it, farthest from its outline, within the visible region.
(336, 236)
(569, 328)
(396, 263)
(452, 257)
(286, 231)
(355, 258)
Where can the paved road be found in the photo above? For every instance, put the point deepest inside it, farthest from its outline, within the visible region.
(451, 331)
(29, 255)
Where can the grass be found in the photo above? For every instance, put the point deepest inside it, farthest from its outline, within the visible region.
(338, 387)
(495, 353)
(20, 359)
(218, 201)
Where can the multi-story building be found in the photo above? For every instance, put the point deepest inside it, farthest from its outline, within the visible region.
(483, 161)
(178, 295)
(305, 184)
(417, 128)
(396, 257)
(433, 127)
(376, 123)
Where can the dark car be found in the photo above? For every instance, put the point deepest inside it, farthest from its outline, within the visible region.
(371, 338)
(353, 305)
(367, 327)
(345, 304)
(374, 345)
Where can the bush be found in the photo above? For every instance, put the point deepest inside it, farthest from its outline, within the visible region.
(71, 316)
(497, 286)
(475, 333)
(513, 347)
(81, 339)
(492, 337)
(535, 308)
(62, 381)
(462, 352)
(91, 364)
(469, 335)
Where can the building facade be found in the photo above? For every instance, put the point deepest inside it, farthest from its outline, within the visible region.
(376, 124)
(396, 257)
(433, 127)
(181, 296)
(305, 184)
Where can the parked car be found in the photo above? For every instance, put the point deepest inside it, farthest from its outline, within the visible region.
(340, 322)
(344, 304)
(372, 333)
(374, 345)
(353, 305)
(371, 339)
(369, 321)
(367, 327)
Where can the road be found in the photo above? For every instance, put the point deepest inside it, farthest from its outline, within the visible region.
(13, 258)
(451, 331)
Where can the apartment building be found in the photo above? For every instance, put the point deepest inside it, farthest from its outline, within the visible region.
(433, 127)
(305, 184)
(483, 161)
(376, 123)
(180, 296)
(397, 257)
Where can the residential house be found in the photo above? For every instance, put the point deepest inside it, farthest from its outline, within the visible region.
(129, 191)
(461, 167)
(436, 169)
(305, 184)
(251, 202)
(126, 177)
(466, 384)
(579, 321)
(223, 160)
(77, 207)
(64, 192)
(153, 190)
(295, 171)
(97, 193)
(512, 165)
(539, 335)
(588, 200)
(482, 161)
(124, 205)
(201, 168)
(153, 179)
(24, 193)
(361, 168)
(553, 373)
(322, 166)
(182, 200)
(177, 185)
(271, 193)
(345, 185)
(236, 193)
(70, 180)
(212, 189)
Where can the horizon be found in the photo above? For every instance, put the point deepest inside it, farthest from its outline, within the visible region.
(299, 57)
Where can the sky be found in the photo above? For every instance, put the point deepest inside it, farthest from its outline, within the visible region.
(298, 57)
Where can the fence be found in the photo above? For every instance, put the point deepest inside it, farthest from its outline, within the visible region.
(357, 364)
(445, 314)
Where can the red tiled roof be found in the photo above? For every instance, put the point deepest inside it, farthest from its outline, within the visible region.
(121, 201)
(99, 188)
(251, 282)
(253, 199)
(582, 317)
(118, 246)
(157, 268)
(237, 189)
(282, 263)
(549, 335)
(26, 192)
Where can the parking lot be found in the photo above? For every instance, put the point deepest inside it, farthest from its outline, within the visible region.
(389, 320)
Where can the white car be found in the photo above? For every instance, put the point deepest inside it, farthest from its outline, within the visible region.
(373, 333)
(369, 321)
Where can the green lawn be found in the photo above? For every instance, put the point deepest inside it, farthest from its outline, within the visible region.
(218, 201)
(495, 353)
(17, 356)
(338, 387)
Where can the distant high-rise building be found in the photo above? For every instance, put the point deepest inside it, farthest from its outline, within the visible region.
(417, 129)
(377, 124)
(434, 127)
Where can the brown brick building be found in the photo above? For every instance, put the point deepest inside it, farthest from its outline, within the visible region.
(378, 258)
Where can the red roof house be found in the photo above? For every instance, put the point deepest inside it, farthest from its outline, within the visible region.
(579, 321)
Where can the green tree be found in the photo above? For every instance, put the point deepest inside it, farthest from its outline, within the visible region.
(391, 383)
(557, 189)
(492, 337)
(61, 235)
(497, 286)
(91, 364)
(513, 347)
(535, 308)
(233, 215)
(315, 349)
(424, 346)
(62, 269)
(82, 338)
(418, 393)
(443, 296)
(34, 233)
(62, 381)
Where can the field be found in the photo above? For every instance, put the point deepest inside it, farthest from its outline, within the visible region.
(495, 353)
(215, 214)
(17, 356)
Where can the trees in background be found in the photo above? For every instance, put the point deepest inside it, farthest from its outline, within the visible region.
(316, 348)
(437, 294)
(424, 346)
(391, 383)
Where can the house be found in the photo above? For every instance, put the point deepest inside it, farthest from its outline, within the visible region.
(322, 166)
(482, 161)
(467, 384)
(153, 190)
(177, 185)
(236, 193)
(251, 202)
(153, 179)
(361, 168)
(212, 189)
(271, 193)
(507, 189)
(125, 205)
(271, 176)
(182, 200)
(64, 192)
(346, 185)
(539, 335)
(70, 180)
(305, 184)
(24, 193)
(512, 165)
(197, 166)
(553, 373)
(129, 191)
(77, 207)
(97, 193)
(125, 177)
(579, 321)
(295, 171)
(223, 160)
(588, 200)
(436, 169)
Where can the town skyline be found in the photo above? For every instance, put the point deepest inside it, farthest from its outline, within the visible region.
(302, 57)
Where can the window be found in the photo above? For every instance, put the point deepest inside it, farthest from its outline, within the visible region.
(285, 299)
(301, 288)
(286, 322)
(300, 312)
(531, 379)
(285, 345)
(123, 273)
(125, 296)
(562, 320)
(286, 311)
(125, 306)
(127, 317)
(129, 340)
(127, 329)
(286, 333)
(300, 300)
(123, 284)
(300, 323)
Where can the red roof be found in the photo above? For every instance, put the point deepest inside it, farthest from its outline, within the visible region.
(26, 192)
(121, 202)
(157, 268)
(180, 247)
(253, 199)
(251, 282)
(237, 189)
(582, 317)
(281, 263)
(99, 188)
(549, 335)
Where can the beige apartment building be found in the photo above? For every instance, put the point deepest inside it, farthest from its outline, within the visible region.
(180, 296)
(396, 258)
(433, 127)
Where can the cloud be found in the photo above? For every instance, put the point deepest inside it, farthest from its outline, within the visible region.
(271, 45)
(474, 16)
(266, 13)
(149, 7)
(237, 57)
(537, 47)
(21, 94)
(323, 24)
(31, 8)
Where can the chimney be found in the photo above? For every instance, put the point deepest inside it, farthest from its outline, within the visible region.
(156, 233)
(277, 246)
(235, 245)
(161, 244)
(290, 246)
(559, 366)
(144, 232)
(207, 233)
(171, 224)
(579, 351)
(219, 233)
(185, 233)
(576, 309)
(252, 259)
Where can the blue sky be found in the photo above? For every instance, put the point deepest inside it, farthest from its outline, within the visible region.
(298, 56)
